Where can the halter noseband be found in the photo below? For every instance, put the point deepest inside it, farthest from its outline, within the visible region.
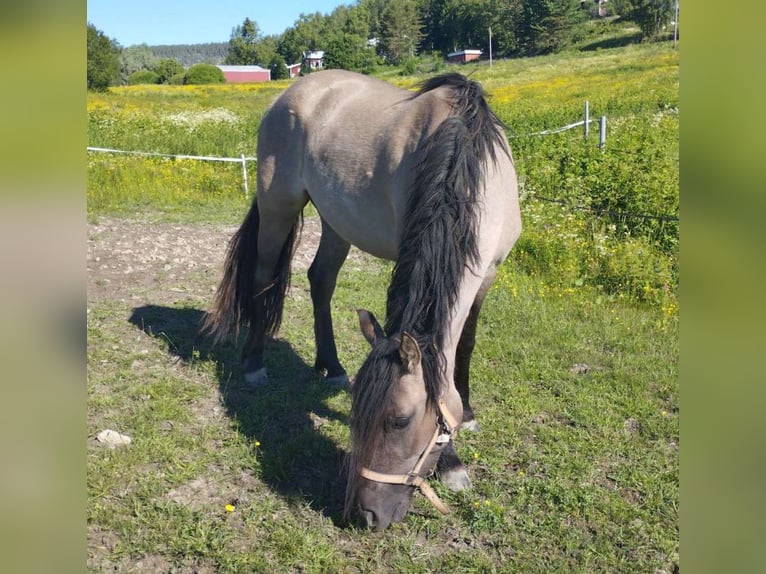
(446, 426)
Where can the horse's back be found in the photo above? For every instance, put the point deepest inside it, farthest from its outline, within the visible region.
(347, 142)
(351, 144)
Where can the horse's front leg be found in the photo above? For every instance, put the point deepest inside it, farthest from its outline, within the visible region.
(452, 472)
(323, 273)
(465, 352)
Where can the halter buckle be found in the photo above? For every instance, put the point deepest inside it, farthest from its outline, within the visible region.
(412, 479)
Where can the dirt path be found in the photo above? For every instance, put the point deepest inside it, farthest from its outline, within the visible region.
(134, 262)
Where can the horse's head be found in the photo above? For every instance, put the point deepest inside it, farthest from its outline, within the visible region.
(399, 428)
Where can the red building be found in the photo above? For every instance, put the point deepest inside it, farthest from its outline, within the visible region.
(294, 70)
(245, 74)
(463, 56)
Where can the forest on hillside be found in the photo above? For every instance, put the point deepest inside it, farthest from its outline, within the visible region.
(372, 33)
(189, 54)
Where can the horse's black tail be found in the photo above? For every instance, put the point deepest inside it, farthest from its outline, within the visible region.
(236, 301)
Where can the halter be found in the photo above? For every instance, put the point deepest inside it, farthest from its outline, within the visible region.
(446, 425)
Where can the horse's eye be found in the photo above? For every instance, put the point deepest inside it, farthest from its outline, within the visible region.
(399, 423)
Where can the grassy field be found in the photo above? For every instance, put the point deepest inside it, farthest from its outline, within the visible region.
(575, 468)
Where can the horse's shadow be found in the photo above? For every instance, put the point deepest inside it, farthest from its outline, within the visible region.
(296, 460)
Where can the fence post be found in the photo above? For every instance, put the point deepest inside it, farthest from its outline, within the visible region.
(244, 175)
(587, 119)
(490, 46)
(602, 132)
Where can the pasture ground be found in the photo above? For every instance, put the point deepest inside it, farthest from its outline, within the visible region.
(575, 375)
(575, 469)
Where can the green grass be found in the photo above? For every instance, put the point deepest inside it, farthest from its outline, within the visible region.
(572, 471)
(605, 241)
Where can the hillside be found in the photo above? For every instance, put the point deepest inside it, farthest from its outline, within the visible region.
(190, 54)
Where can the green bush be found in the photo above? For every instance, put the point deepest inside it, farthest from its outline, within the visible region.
(204, 74)
(278, 68)
(143, 77)
(166, 69)
(177, 79)
(569, 249)
(409, 66)
(631, 184)
(634, 267)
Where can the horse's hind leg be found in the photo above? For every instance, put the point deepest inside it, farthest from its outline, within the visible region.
(323, 274)
(276, 236)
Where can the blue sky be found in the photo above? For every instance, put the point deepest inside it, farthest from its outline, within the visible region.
(157, 22)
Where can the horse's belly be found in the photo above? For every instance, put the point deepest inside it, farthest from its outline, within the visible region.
(365, 223)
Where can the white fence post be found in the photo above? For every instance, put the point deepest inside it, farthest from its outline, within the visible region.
(244, 174)
(602, 132)
(587, 119)
(490, 46)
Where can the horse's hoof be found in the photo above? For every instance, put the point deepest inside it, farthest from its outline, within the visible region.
(256, 379)
(471, 425)
(456, 479)
(339, 381)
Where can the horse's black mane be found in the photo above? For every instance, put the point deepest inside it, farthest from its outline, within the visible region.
(440, 233)
(439, 243)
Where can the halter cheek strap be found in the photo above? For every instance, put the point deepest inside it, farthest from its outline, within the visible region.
(446, 426)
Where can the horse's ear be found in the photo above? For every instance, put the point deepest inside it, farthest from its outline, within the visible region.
(409, 351)
(371, 329)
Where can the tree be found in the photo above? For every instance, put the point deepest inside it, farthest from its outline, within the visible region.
(204, 74)
(372, 12)
(345, 44)
(349, 52)
(266, 51)
(400, 34)
(546, 26)
(103, 53)
(243, 45)
(308, 34)
(278, 68)
(651, 16)
(135, 58)
(166, 69)
(502, 16)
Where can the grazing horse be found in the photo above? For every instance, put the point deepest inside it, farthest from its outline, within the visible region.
(425, 179)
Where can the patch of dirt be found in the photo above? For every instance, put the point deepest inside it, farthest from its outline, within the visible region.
(214, 490)
(632, 426)
(200, 492)
(132, 261)
(101, 544)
